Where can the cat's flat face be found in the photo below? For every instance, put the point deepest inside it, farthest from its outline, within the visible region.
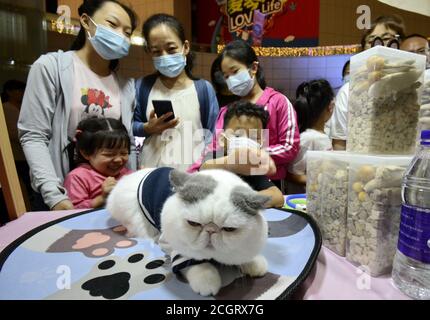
(215, 215)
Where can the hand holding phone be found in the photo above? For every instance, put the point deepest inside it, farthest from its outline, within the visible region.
(162, 107)
(165, 118)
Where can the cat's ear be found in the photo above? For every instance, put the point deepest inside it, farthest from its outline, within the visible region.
(248, 200)
(178, 178)
(192, 187)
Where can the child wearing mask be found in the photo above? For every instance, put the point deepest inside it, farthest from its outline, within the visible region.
(244, 78)
(244, 123)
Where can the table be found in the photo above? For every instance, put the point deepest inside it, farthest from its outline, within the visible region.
(332, 277)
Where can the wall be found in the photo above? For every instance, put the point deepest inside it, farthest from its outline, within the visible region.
(22, 37)
(338, 20)
(283, 74)
(145, 8)
(337, 17)
(29, 4)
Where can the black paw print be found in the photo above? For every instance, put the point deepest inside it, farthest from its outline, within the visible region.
(116, 285)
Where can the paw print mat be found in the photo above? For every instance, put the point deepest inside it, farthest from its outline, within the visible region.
(88, 256)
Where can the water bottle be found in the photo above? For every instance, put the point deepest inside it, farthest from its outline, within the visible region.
(411, 268)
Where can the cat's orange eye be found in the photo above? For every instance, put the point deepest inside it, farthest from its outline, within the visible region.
(229, 229)
(194, 224)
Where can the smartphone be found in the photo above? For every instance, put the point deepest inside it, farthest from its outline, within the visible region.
(162, 107)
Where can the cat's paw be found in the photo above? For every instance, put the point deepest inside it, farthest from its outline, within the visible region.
(204, 279)
(255, 268)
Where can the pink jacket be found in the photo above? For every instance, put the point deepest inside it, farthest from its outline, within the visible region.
(84, 183)
(284, 136)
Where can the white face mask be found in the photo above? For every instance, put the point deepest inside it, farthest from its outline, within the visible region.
(346, 79)
(240, 84)
(241, 142)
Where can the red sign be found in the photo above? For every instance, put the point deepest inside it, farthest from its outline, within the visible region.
(241, 12)
(293, 23)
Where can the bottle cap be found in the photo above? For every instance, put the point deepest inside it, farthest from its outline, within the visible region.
(425, 137)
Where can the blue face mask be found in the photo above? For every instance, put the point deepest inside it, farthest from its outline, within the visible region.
(241, 83)
(109, 44)
(170, 65)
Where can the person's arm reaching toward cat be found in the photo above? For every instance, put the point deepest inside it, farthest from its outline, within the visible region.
(265, 187)
(245, 162)
(276, 195)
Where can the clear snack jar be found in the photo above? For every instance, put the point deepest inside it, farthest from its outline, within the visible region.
(374, 206)
(384, 101)
(327, 195)
(424, 117)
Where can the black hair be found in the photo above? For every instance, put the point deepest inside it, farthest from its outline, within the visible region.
(217, 78)
(312, 99)
(241, 51)
(300, 89)
(94, 133)
(220, 86)
(345, 66)
(90, 7)
(246, 108)
(393, 22)
(176, 26)
(11, 85)
(416, 35)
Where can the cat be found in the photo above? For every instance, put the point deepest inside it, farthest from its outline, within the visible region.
(197, 218)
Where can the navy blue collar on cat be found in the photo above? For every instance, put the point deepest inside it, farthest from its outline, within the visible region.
(152, 193)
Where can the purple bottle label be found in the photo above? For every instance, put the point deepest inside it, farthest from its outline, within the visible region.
(414, 235)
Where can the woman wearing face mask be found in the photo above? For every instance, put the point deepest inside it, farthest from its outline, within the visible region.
(244, 78)
(180, 141)
(66, 87)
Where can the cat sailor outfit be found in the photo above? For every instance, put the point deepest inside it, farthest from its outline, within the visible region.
(199, 220)
(152, 193)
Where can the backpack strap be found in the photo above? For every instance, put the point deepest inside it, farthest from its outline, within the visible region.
(203, 97)
(145, 89)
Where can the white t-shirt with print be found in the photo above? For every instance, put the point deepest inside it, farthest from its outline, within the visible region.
(339, 120)
(93, 95)
(181, 146)
(310, 140)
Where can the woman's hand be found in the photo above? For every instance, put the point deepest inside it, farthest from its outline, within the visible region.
(157, 125)
(63, 205)
(107, 186)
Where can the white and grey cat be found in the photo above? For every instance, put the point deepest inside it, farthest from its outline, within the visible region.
(211, 214)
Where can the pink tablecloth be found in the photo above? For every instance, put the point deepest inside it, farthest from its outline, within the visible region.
(332, 278)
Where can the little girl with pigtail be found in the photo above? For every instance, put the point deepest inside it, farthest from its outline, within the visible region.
(102, 149)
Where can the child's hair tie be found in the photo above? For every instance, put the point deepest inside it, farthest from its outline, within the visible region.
(77, 134)
(306, 88)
